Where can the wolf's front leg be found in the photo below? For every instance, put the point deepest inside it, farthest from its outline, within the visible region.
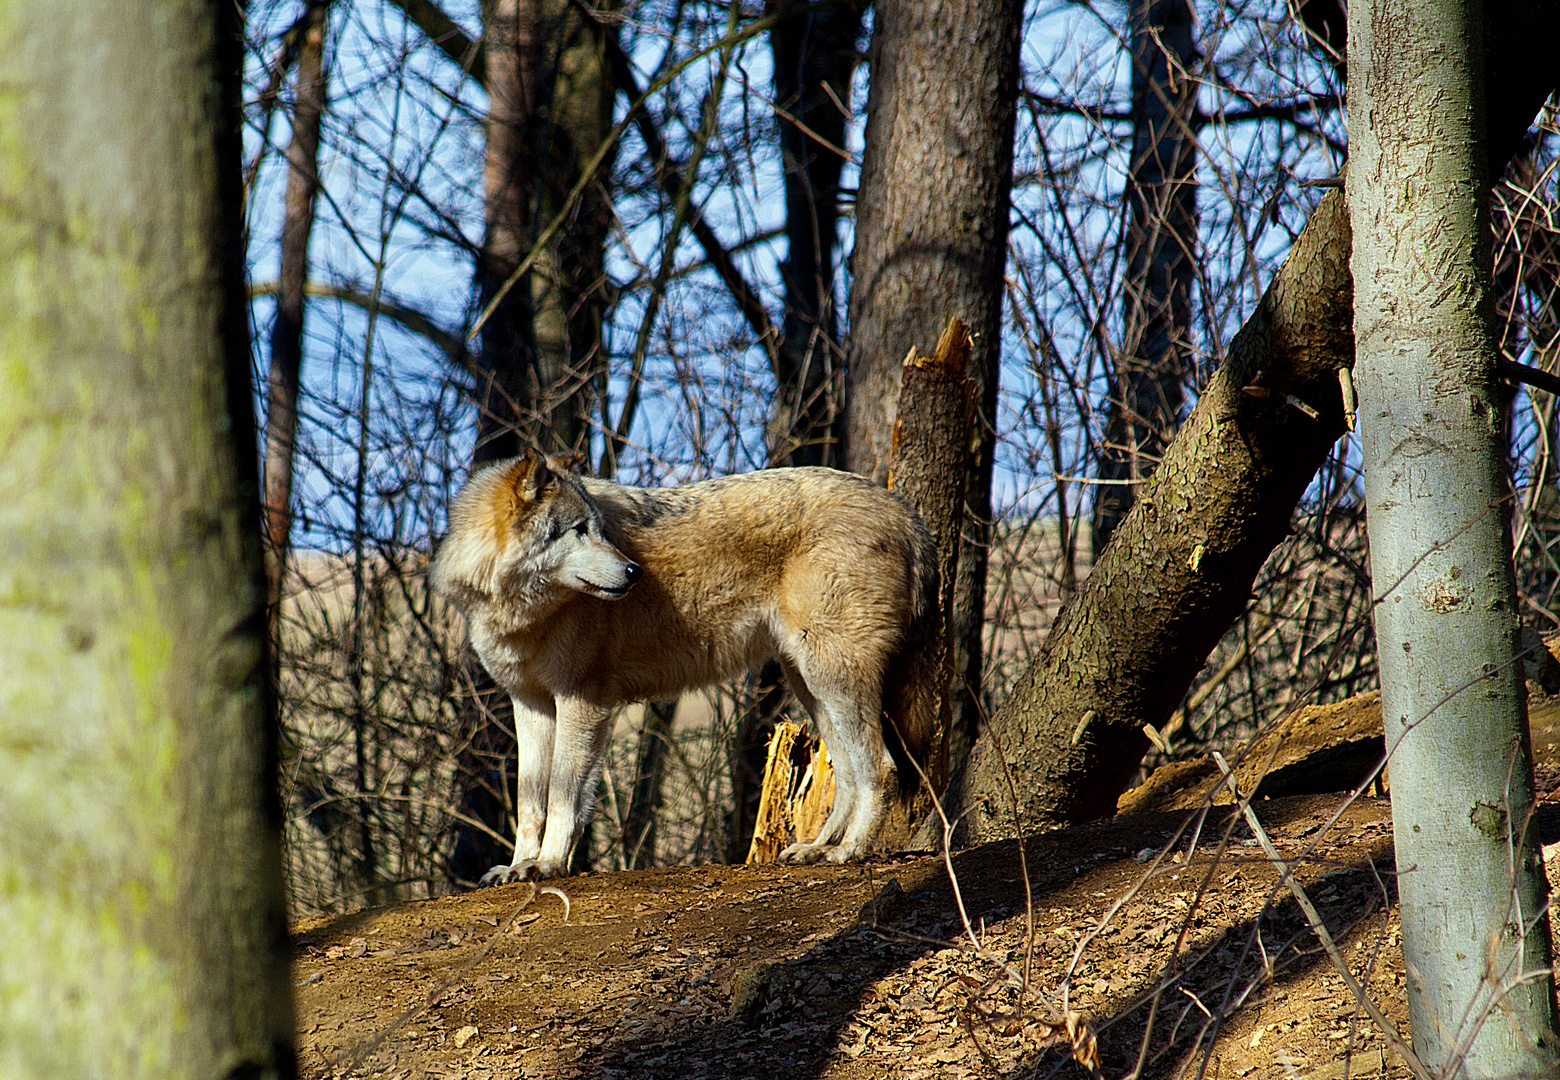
(579, 747)
(534, 729)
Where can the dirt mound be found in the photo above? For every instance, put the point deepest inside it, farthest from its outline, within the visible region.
(1163, 935)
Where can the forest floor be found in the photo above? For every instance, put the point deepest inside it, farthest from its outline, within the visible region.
(1164, 933)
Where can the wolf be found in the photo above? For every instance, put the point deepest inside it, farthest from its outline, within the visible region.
(581, 595)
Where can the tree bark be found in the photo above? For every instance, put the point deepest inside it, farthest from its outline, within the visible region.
(549, 109)
(1155, 363)
(1432, 437)
(143, 906)
(931, 242)
(541, 362)
(931, 468)
(568, 285)
(1125, 650)
(814, 54)
(281, 417)
(506, 354)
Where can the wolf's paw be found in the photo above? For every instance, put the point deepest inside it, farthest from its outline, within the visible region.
(801, 854)
(808, 854)
(524, 870)
(505, 875)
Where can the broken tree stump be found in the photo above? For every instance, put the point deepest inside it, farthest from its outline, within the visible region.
(932, 443)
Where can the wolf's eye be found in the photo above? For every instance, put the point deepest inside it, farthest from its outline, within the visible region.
(582, 528)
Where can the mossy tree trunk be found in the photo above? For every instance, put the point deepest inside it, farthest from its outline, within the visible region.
(139, 826)
(1432, 433)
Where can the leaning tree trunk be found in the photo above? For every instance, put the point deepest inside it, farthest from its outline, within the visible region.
(1125, 650)
(145, 931)
(1154, 364)
(281, 415)
(931, 242)
(1432, 434)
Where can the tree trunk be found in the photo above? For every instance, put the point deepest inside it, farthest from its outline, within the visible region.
(507, 352)
(549, 108)
(550, 94)
(143, 905)
(1432, 433)
(568, 285)
(281, 416)
(931, 242)
(1126, 648)
(1155, 363)
(931, 467)
(643, 804)
(815, 54)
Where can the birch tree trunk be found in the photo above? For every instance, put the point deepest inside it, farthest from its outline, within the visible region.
(1432, 432)
(142, 903)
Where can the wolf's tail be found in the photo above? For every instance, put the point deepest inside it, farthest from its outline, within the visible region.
(911, 697)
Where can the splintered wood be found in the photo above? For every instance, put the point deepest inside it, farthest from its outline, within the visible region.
(797, 795)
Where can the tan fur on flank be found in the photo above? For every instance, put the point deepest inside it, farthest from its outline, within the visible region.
(582, 595)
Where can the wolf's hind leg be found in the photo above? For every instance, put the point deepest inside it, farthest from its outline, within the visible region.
(862, 771)
(834, 826)
(844, 787)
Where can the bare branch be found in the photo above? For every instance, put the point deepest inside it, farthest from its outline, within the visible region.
(450, 343)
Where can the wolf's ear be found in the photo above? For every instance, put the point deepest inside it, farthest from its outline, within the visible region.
(530, 476)
(570, 462)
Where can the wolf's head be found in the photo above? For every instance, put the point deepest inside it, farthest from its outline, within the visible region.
(527, 523)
